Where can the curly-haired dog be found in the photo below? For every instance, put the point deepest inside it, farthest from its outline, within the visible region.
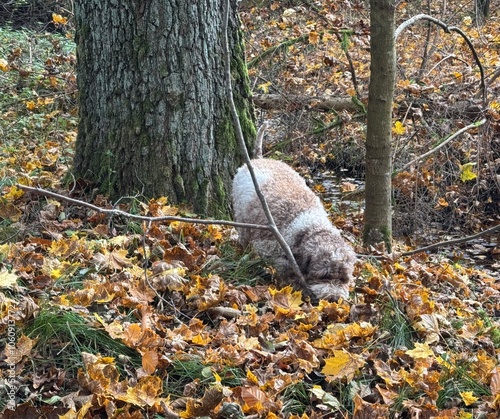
(324, 258)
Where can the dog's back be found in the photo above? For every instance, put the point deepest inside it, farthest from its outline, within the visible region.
(285, 191)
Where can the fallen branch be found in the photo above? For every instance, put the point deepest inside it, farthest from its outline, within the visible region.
(321, 103)
(441, 145)
(452, 242)
(116, 212)
(241, 140)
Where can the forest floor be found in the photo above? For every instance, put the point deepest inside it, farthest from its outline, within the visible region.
(110, 317)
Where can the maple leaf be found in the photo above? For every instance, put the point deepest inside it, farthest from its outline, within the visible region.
(398, 128)
(7, 279)
(466, 172)
(264, 87)
(58, 19)
(313, 37)
(421, 351)
(13, 194)
(468, 397)
(145, 392)
(342, 365)
(366, 410)
(286, 300)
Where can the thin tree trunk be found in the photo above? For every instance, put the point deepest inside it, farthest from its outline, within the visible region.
(378, 218)
(153, 109)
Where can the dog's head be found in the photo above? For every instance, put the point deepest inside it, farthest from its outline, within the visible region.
(327, 268)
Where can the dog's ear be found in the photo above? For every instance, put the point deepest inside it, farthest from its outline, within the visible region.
(304, 261)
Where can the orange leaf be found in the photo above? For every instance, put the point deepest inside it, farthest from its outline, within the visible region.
(150, 361)
(313, 37)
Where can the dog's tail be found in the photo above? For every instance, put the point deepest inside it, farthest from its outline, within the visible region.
(257, 153)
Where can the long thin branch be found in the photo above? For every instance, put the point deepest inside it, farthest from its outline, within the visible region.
(241, 140)
(112, 212)
(453, 241)
(442, 144)
(447, 29)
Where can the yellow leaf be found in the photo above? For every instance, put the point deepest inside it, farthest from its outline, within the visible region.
(201, 339)
(286, 301)
(59, 19)
(468, 397)
(343, 364)
(4, 65)
(252, 377)
(55, 273)
(421, 351)
(13, 194)
(313, 37)
(7, 280)
(398, 128)
(494, 105)
(467, 20)
(30, 105)
(264, 87)
(466, 172)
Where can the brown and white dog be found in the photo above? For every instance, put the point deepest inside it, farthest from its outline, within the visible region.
(325, 260)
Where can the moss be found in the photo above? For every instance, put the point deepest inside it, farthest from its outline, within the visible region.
(372, 235)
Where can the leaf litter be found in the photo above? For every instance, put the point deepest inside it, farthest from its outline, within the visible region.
(121, 319)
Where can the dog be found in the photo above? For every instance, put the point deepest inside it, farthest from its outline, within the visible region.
(325, 260)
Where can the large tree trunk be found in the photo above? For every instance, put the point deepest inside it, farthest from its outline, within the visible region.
(378, 217)
(153, 111)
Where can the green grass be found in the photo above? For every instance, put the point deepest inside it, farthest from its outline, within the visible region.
(239, 268)
(63, 335)
(296, 399)
(396, 323)
(191, 369)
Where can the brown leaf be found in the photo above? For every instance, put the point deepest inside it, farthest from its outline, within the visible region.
(365, 410)
(150, 361)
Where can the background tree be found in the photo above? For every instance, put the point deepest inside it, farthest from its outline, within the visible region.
(378, 216)
(153, 107)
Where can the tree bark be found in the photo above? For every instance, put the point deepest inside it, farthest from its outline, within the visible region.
(378, 217)
(154, 118)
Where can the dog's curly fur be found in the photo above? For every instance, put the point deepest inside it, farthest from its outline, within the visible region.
(324, 258)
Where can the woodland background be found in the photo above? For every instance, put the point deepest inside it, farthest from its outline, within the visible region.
(110, 317)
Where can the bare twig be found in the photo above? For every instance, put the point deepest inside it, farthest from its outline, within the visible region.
(241, 140)
(442, 144)
(447, 29)
(452, 242)
(115, 212)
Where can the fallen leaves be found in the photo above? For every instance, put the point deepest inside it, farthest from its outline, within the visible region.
(138, 326)
(342, 365)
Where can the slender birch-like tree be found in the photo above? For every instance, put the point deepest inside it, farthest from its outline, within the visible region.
(378, 214)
